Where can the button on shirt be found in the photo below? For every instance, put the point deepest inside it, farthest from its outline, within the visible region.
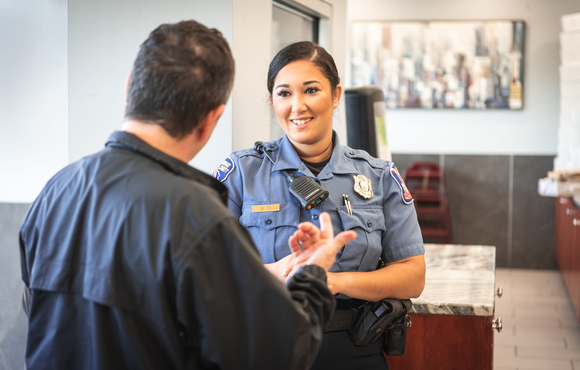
(386, 227)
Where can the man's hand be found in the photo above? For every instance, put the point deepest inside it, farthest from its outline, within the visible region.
(319, 247)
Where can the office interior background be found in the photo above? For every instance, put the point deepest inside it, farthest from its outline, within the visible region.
(62, 78)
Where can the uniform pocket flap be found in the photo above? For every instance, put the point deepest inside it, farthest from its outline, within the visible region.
(369, 219)
(288, 215)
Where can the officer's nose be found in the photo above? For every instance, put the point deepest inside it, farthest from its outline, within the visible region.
(298, 105)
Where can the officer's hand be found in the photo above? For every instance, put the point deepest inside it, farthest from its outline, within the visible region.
(319, 247)
(280, 269)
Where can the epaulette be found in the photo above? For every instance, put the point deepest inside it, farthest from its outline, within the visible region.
(361, 154)
(272, 146)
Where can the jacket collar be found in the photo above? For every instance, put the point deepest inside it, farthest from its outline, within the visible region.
(128, 141)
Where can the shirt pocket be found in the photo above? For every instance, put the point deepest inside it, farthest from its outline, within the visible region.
(362, 254)
(271, 230)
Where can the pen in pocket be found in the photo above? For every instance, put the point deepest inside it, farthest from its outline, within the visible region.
(347, 204)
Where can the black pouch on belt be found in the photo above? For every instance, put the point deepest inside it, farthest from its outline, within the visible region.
(396, 338)
(374, 318)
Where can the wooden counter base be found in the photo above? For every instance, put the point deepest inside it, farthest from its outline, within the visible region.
(447, 342)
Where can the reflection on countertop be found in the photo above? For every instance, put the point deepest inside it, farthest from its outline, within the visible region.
(460, 280)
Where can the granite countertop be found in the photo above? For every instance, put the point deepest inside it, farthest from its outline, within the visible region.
(576, 199)
(460, 280)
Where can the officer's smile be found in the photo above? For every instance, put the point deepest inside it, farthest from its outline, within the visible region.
(301, 121)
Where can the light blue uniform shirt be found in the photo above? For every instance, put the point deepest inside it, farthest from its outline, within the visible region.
(386, 226)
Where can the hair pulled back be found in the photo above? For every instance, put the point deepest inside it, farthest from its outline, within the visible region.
(304, 50)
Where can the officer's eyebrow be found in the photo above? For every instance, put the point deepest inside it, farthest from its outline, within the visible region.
(303, 84)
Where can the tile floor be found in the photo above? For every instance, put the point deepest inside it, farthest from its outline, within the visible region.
(540, 328)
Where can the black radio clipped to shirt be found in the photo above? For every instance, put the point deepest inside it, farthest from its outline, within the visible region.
(306, 191)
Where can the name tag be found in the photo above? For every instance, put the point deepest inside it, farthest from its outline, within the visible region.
(266, 208)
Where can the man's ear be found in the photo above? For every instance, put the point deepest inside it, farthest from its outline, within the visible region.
(127, 82)
(208, 124)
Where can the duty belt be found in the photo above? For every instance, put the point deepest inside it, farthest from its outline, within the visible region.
(343, 315)
(341, 320)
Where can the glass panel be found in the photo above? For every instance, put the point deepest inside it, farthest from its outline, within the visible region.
(288, 26)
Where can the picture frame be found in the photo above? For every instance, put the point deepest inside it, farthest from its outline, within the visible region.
(433, 64)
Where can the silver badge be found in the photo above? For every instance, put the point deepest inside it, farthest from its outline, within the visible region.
(362, 186)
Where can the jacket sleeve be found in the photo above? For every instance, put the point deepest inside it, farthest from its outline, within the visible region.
(28, 238)
(237, 315)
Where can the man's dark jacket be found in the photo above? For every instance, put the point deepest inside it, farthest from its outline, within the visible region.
(133, 261)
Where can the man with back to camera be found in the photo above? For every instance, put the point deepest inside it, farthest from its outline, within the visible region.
(131, 258)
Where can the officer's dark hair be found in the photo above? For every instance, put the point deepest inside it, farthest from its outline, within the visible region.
(304, 50)
(182, 72)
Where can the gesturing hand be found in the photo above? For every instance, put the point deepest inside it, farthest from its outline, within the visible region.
(319, 246)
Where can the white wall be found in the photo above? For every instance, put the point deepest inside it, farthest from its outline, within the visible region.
(33, 96)
(531, 131)
(252, 22)
(104, 37)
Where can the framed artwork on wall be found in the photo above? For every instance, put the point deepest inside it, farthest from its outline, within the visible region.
(441, 64)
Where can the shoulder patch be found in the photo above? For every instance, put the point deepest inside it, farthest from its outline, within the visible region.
(405, 193)
(224, 169)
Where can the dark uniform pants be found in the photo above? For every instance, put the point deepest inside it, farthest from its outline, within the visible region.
(338, 352)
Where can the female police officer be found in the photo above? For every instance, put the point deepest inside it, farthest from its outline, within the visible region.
(304, 89)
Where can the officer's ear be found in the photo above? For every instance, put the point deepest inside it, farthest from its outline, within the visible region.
(336, 96)
(205, 128)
